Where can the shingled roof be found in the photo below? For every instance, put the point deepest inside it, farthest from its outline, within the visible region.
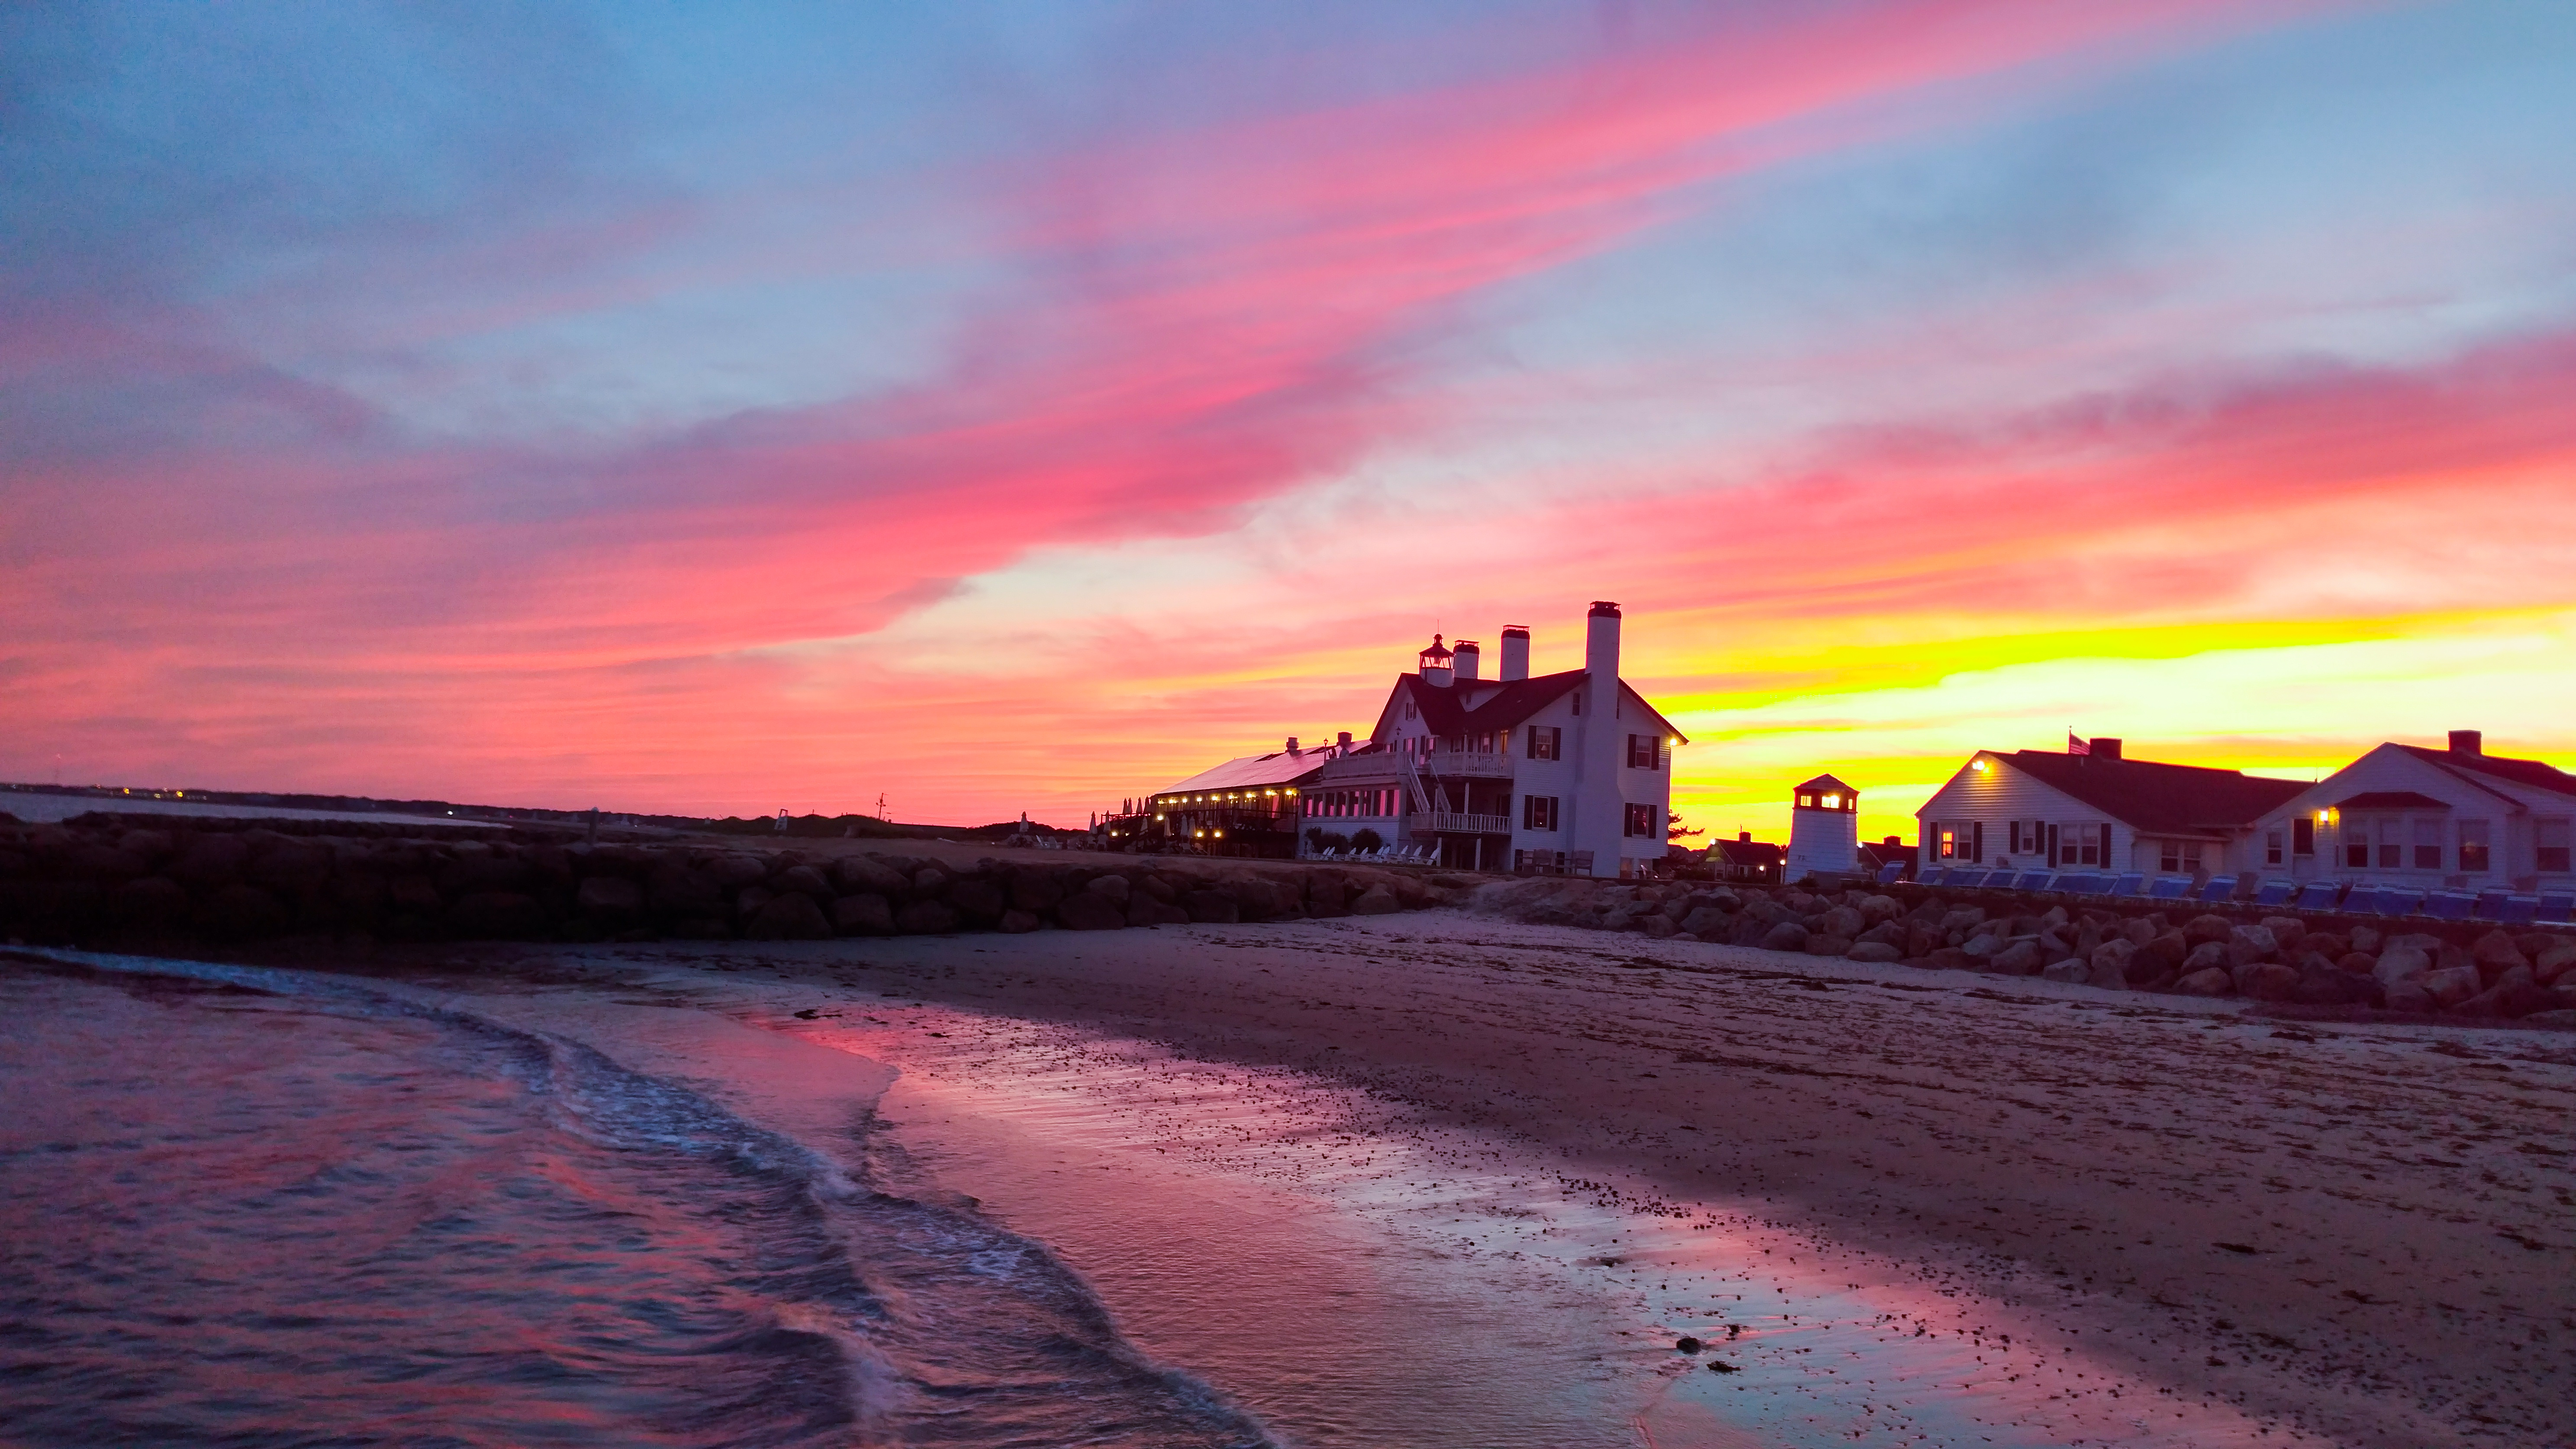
(2531, 774)
(1445, 713)
(2155, 799)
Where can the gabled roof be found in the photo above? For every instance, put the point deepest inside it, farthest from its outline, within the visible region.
(1749, 852)
(2156, 799)
(2531, 774)
(1276, 768)
(2391, 800)
(1444, 711)
(1824, 782)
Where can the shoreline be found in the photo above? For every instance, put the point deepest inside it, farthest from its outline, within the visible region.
(2098, 1162)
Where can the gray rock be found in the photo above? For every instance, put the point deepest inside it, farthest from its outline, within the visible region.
(926, 918)
(2248, 944)
(2399, 964)
(1377, 900)
(804, 880)
(2211, 981)
(1017, 922)
(735, 870)
(1661, 927)
(1876, 951)
(2019, 958)
(1703, 921)
(859, 875)
(1785, 936)
(1820, 944)
(2451, 985)
(1115, 889)
(788, 916)
(2070, 971)
(2267, 981)
(610, 900)
(2553, 964)
(1842, 921)
(1088, 910)
(866, 914)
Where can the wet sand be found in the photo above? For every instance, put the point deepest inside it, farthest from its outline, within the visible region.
(2360, 1235)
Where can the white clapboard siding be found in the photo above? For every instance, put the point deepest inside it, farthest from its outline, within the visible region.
(2000, 795)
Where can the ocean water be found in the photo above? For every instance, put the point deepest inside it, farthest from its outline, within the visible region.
(671, 1205)
(253, 1208)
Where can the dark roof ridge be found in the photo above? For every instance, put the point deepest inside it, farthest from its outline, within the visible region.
(2536, 774)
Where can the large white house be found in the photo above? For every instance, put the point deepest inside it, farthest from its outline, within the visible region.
(2053, 811)
(1566, 772)
(2409, 815)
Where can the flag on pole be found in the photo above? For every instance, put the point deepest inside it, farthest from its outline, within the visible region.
(2075, 746)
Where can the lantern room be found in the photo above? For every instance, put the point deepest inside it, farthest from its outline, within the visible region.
(1827, 793)
(1437, 661)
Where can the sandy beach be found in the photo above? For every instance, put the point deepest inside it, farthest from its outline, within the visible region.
(2347, 1234)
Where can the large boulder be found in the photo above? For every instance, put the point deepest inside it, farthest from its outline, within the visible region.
(211, 860)
(2267, 981)
(1705, 921)
(788, 916)
(859, 875)
(2018, 958)
(151, 902)
(1842, 921)
(926, 918)
(1661, 927)
(1874, 951)
(2069, 971)
(2323, 983)
(1377, 900)
(1922, 938)
(1947, 958)
(675, 892)
(977, 901)
(2399, 964)
(1821, 944)
(1877, 910)
(613, 901)
(2287, 933)
(2514, 995)
(736, 869)
(239, 913)
(1785, 936)
(2249, 944)
(2108, 966)
(1094, 911)
(2409, 996)
(2451, 985)
(1115, 889)
(2554, 963)
(2209, 981)
(864, 914)
(804, 880)
(497, 916)
(2204, 928)
(2495, 954)
(1984, 945)
(1035, 890)
(1146, 909)
(1210, 905)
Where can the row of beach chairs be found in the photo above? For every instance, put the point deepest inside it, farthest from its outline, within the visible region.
(2351, 898)
(1422, 854)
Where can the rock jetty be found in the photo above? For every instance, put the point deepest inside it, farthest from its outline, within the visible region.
(2454, 969)
(109, 881)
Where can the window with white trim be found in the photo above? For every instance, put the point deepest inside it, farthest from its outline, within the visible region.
(2549, 846)
(2473, 847)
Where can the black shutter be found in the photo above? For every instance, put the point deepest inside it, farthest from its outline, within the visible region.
(1979, 831)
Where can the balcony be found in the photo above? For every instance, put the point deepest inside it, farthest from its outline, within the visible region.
(1467, 765)
(1445, 822)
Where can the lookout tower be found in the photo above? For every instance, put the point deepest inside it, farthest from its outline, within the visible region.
(1436, 663)
(1824, 830)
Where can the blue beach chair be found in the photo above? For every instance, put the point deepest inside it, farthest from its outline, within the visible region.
(2557, 908)
(1889, 873)
(2398, 901)
(2128, 885)
(2169, 888)
(1932, 876)
(2275, 892)
(2490, 906)
(2450, 905)
(2520, 910)
(2320, 895)
(2220, 890)
(2031, 880)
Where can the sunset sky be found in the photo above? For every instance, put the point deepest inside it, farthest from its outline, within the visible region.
(724, 408)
